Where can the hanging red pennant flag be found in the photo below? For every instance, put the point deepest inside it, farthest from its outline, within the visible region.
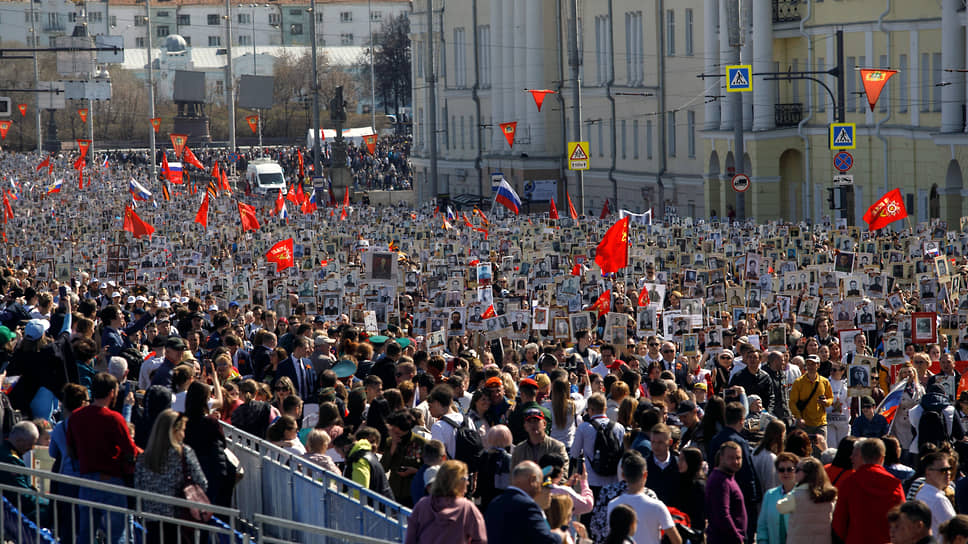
(155, 123)
(190, 158)
(611, 254)
(370, 141)
(83, 146)
(489, 312)
(4, 127)
(644, 299)
(82, 112)
(886, 210)
(178, 141)
(874, 81)
(201, 217)
(282, 255)
(539, 96)
(7, 208)
(253, 121)
(80, 163)
(247, 216)
(508, 130)
(603, 304)
(23, 109)
(215, 172)
(571, 208)
(553, 214)
(80, 178)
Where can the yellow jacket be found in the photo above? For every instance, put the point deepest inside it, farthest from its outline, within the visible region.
(815, 414)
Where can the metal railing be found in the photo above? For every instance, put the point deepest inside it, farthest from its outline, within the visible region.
(67, 512)
(282, 485)
(786, 11)
(788, 115)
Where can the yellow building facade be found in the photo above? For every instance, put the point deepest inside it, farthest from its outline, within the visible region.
(915, 139)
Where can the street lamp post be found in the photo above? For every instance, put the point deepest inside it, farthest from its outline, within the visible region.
(317, 131)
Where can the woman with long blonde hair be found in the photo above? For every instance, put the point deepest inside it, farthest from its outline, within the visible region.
(810, 506)
(564, 413)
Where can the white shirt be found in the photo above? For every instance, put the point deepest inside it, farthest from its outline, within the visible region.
(445, 432)
(941, 509)
(585, 444)
(144, 375)
(651, 515)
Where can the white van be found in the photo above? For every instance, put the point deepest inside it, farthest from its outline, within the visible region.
(265, 176)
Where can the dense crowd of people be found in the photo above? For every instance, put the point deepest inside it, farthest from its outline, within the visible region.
(733, 382)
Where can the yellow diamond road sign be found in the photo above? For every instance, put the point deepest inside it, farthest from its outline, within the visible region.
(578, 156)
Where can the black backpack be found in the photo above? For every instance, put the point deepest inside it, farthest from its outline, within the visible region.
(468, 445)
(932, 428)
(608, 450)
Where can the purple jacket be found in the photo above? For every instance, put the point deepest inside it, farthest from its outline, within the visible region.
(725, 510)
(445, 520)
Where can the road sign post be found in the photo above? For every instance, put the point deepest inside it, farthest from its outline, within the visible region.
(843, 136)
(741, 182)
(843, 161)
(739, 78)
(578, 156)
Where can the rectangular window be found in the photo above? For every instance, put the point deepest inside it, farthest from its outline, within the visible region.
(95, 17)
(624, 147)
(213, 19)
(244, 18)
(671, 129)
(937, 78)
(140, 20)
(114, 20)
(902, 84)
(184, 20)
(689, 49)
(162, 14)
(925, 82)
(219, 87)
(245, 39)
(691, 128)
(376, 16)
(670, 33)
(484, 55)
(296, 12)
(161, 31)
(346, 16)
(140, 42)
(463, 133)
(296, 29)
(822, 95)
(274, 18)
(346, 38)
(460, 58)
(601, 139)
(214, 41)
(635, 138)
(648, 140)
(851, 84)
(453, 134)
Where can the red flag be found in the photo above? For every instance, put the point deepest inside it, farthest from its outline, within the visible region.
(508, 129)
(281, 254)
(23, 109)
(44, 163)
(83, 146)
(201, 217)
(178, 141)
(7, 209)
(80, 163)
(82, 112)
(606, 210)
(874, 81)
(603, 304)
(225, 182)
(302, 172)
(4, 127)
(253, 121)
(247, 216)
(215, 172)
(571, 208)
(539, 96)
(482, 216)
(155, 123)
(80, 179)
(553, 214)
(644, 299)
(300, 194)
(576, 270)
(489, 312)
(467, 221)
(888, 209)
(611, 255)
(191, 159)
(280, 202)
(135, 225)
(370, 141)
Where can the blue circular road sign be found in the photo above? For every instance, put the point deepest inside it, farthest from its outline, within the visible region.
(843, 161)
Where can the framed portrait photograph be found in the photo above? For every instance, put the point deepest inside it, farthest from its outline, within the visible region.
(924, 327)
(562, 329)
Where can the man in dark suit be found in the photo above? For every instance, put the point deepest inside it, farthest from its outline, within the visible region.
(241, 359)
(516, 515)
(298, 369)
(265, 342)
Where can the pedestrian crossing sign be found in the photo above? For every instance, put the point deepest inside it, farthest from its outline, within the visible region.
(843, 136)
(739, 78)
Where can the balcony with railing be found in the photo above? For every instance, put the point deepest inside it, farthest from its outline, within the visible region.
(788, 115)
(786, 11)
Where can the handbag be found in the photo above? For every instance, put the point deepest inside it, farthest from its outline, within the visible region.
(802, 404)
(191, 491)
(236, 465)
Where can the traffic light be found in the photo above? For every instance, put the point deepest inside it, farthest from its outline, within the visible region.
(832, 193)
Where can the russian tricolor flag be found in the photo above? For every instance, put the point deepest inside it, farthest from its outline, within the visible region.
(892, 400)
(138, 191)
(56, 187)
(175, 173)
(451, 216)
(507, 197)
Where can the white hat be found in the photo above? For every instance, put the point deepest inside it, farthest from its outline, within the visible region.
(213, 308)
(165, 304)
(430, 474)
(131, 299)
(141, 298)
(115, 294)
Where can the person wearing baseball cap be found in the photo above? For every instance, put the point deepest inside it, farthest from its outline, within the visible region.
(538, 443)
(528, 393)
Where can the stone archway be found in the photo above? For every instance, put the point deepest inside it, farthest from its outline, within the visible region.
(714, 202)
(790, 203)
(934, 203)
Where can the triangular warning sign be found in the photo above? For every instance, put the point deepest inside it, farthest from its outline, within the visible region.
(739, 79)
(843, 138)
(578, 154)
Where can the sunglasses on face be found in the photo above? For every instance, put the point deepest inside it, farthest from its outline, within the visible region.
(787, 470)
